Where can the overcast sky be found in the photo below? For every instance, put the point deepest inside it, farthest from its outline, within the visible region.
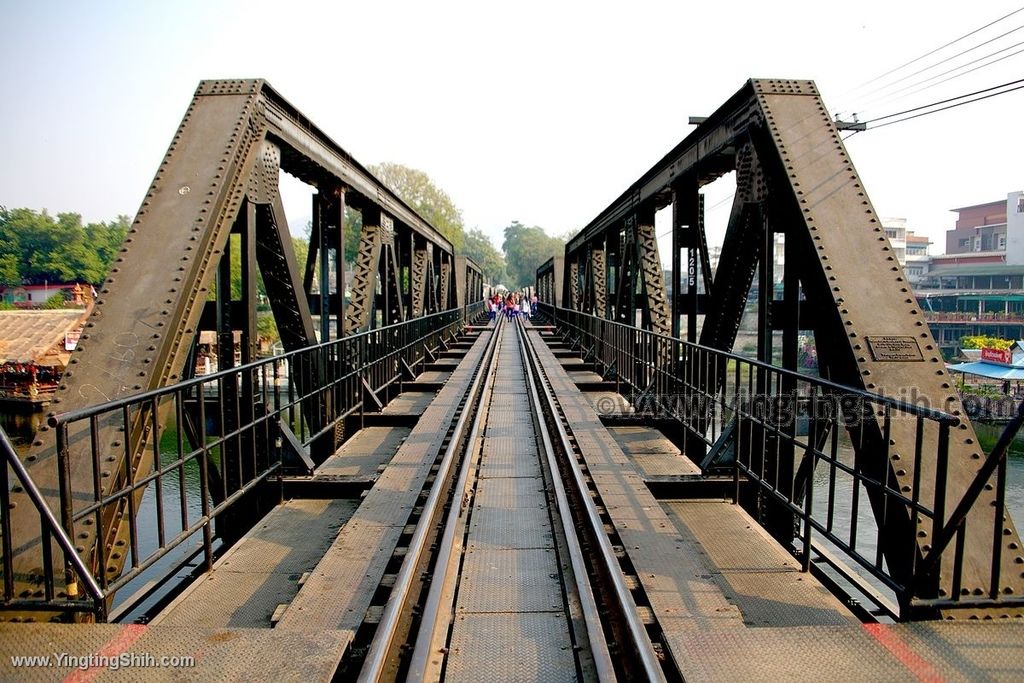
(541, 112)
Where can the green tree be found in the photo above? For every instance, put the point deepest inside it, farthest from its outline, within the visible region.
(417, 190)
(478, 247)
(525, 249)
(10, 273)
(36, 247)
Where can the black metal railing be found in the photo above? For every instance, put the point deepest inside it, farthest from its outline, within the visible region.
(143, 476)
(795, 437)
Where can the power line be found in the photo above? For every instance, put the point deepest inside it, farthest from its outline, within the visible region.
(951, 99)
(982, 66)
(951, 106)
(943, 61)
(882, 99)
(940, 48)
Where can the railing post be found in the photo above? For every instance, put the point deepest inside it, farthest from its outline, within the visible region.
(67, 521)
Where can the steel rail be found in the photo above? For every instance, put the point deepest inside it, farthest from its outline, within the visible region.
(441, 591)
(603, 665)
(641, 643)
(383, 639)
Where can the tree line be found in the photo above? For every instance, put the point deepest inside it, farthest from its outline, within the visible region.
(36, 247)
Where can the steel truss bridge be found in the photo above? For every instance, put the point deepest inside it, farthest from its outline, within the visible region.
(604, 491)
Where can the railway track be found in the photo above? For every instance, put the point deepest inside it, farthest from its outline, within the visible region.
(511, 551)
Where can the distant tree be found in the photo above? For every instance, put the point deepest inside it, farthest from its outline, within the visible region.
(418, 191)
(36, 247)
(478, 247)
(10, 273)
(525, 249)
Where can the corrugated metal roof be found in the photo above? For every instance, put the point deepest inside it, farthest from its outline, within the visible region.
(37, 336)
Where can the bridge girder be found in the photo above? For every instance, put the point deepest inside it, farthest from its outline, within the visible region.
(220, 176)
(841, 281)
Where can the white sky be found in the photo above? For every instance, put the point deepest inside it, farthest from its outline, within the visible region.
(541, 112)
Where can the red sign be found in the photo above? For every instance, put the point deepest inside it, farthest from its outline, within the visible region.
(997, 355)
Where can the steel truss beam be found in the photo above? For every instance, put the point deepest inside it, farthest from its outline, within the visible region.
(841, 280)
(219, 176)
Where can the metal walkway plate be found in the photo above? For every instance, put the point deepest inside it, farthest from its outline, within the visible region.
(365, 452)
(235, 654)
(510, 581)
(935, 651)
(761, 578)
(263, 569)
(531, 646)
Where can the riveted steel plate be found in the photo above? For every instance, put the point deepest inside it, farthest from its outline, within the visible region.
(515, 528)
(525, 580)
(532, 646)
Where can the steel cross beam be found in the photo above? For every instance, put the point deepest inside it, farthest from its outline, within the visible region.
(221, 170)
(794, 178)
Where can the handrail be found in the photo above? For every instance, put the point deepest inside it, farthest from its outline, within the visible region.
(751, 411)
(914, 409)
(73, 415)
(954, 525)
(55, 530)
(367, 360)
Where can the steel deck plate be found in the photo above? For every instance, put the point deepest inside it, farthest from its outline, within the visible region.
(672, 569)
(409, 403)
(510, 581)
(660, 464)
(532, 646)
(367, 450)
(508, 529)
(510, 492)
(763, 580)
(262, 570)
(932, 651)
(494, 467)
(219, 654)
(639, 440)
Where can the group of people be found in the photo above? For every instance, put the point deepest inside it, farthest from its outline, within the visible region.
(512, 304)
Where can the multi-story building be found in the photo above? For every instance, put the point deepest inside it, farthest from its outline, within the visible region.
(977, 286)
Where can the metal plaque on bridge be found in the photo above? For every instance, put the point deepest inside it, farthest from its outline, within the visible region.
(895, 348)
